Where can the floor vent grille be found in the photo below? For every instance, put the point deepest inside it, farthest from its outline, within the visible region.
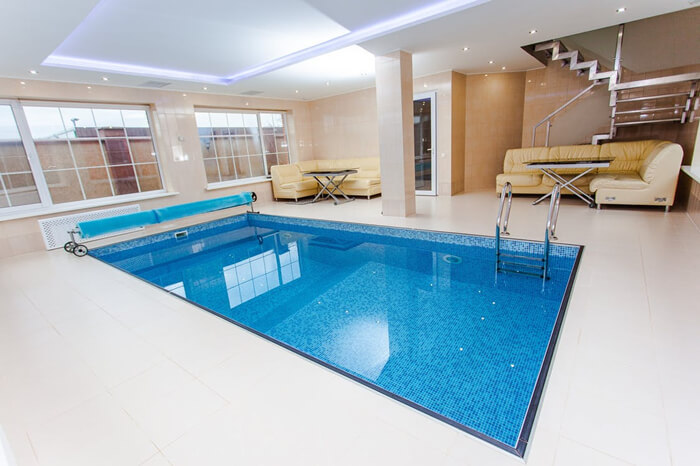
(55, 229)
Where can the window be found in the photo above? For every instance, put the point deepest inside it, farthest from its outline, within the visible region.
(17, 186)
(241, 145)
(56, 154)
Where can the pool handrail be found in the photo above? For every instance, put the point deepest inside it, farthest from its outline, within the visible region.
(502, 220)
(551, 228)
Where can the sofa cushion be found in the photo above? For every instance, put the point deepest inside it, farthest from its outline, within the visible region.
(286, 173)
(655, 157)
(307, 165)
(519, 179)
(578, 152)
(301, 185)
(627, 157)
(572, 153)
(360, 183)
(617, 181)
(516, 159)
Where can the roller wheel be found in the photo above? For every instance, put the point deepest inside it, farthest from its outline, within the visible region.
(80, 250)
(69, 246)
(254, 196)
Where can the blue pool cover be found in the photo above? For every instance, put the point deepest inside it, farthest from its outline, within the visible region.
(420, 316)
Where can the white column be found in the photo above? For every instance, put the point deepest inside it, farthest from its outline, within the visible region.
(394, 77)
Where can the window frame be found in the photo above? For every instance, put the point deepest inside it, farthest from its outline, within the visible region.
(46, 203)
(257, 113)
(32, 157)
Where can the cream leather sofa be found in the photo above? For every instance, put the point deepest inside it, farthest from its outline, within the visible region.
(288, 181)
(641, 173)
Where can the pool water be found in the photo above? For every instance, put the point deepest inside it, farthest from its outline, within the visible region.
(420, 316)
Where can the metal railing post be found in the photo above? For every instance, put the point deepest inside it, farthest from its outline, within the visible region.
(551, 228)
(501, 219)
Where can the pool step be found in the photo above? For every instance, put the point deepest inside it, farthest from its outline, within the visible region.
(537, 266)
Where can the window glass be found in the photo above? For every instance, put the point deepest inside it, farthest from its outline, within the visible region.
(17, 185)
(244, 144)
(93, 152)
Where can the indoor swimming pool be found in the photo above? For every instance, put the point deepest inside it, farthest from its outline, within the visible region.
(420, 316)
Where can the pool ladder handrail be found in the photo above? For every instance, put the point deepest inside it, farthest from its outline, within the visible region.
(537, 266)
(552, 217)
(502, 220)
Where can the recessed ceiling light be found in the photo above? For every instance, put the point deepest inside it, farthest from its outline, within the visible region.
(297, 91)
(425, 85)
(246, 104)
(490, 62)
(529, 80)
(621, 10)
(205, 88)
(328, 83)
(22, 83)
(33, 72)
(465, 49)
(486, 76)
(89, 87)
(503, 67)
(105, 78)
(184, 95)
(533, 31)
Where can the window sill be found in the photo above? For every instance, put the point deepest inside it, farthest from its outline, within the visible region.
(59, 208)
(233, 184)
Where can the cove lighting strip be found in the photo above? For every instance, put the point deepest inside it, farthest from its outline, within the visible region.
(413, 18)
(126, 68)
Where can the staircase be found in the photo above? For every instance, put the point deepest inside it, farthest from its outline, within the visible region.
(657, 100)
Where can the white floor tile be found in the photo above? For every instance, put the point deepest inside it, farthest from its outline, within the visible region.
(571, 453)
(165, 401)
(622, 389)
(628, 434)
(96, 432)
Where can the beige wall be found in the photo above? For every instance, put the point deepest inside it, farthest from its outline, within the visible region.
(176, 139)
(493, 124)
(346, 126)
(548, 88)
(693, 200)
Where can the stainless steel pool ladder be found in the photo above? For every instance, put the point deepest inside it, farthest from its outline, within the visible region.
(517, 263)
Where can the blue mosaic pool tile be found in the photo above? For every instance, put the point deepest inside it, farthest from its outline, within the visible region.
(384, 233)
(420, 315)
(167, 239)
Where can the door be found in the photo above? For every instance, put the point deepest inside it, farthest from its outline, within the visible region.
(424, 122)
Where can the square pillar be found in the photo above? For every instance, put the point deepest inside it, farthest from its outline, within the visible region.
(394, 78)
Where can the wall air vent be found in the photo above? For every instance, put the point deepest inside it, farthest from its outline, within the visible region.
(155, 84)
(251, 92)
(55, 229)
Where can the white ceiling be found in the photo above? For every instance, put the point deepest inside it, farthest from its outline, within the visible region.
(223, 37)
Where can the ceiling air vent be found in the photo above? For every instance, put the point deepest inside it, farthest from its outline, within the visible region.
(251, 92)
(155, 84)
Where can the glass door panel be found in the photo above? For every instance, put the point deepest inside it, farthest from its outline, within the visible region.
(424, 143)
